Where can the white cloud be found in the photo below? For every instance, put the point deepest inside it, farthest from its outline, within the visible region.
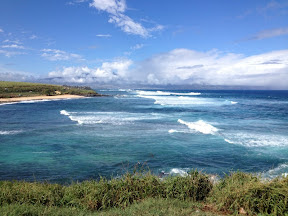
(9, 53)
(187, 67)
(103, 35)
(116, 9)
(32, 37)
(128, 25)
(273, 6)
(7, 74)
(13, 46)
(60, 55)
(1, 30)
(110, 6)
(270, 33)
(12, 41)
(183, 66)
(137, 46)
(76, 2)
(108, 72)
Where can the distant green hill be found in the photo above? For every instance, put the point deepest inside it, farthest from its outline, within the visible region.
(25, 89)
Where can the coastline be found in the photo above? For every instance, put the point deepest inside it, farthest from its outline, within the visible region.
(41, 97)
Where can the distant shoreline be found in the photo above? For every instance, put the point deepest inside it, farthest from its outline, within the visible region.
(41, 97)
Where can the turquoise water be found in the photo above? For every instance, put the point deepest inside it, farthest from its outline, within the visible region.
(170, 131)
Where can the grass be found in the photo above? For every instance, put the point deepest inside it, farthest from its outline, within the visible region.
(104, 194)
(249, 192)
(146, 194)
(24, 89)
(150, 206)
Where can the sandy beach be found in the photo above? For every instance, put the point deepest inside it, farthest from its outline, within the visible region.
(18, 99)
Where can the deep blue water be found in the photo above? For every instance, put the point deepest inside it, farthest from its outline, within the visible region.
(170, 131)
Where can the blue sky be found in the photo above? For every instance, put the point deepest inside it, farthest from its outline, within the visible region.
(146, 42)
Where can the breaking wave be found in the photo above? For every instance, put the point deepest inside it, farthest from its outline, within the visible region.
(163, 93)
(281, 170)
(257, 140)
(186, 101)
(114, 118)
(12, 132)
(200, 126)
(177, 171)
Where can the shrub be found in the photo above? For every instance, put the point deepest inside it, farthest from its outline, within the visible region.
(247, 191)
(103, 194)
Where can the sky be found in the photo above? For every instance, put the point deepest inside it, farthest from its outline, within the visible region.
(146, 42)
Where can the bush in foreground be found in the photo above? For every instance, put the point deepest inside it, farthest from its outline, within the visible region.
(250, 193)
(103, 194)
(236, 193)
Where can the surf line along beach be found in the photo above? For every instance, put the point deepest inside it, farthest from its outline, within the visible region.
(43, 97)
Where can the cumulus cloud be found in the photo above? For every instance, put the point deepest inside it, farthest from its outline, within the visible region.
(184, 66)
(59, 55)
(187, 67)
(270, 33)
(116, 9)
(108, 72)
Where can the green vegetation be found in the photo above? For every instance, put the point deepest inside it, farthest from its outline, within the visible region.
(147, 194)
(147, 207)
(24, 89)
(255, 196)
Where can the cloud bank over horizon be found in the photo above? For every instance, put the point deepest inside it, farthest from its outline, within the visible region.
(187, 67)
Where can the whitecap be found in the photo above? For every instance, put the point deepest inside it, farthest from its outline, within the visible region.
(64, 112)
(172, 131)
(2, 104)
(256, 139)
(234, 102)
(114, 118)
(177, 171)
(182, 100)
(12, 132)
(281, 170)
(200, 126)
(163, 93)
(229, 141)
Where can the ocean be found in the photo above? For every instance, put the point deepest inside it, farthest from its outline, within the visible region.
(166, 131)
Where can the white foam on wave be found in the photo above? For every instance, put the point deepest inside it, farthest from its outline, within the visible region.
(172, 131)
(72, 118)
(125, 90)
(229, 141)
(200, 126)
(182, 100)
(163, 93)
(256, 139)
(37, 101)
(114, 118)
(114, 90)
(24, 102)
(12, 132)
(3, 104)
(177, 171)
(64, 112)
(281, 170)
